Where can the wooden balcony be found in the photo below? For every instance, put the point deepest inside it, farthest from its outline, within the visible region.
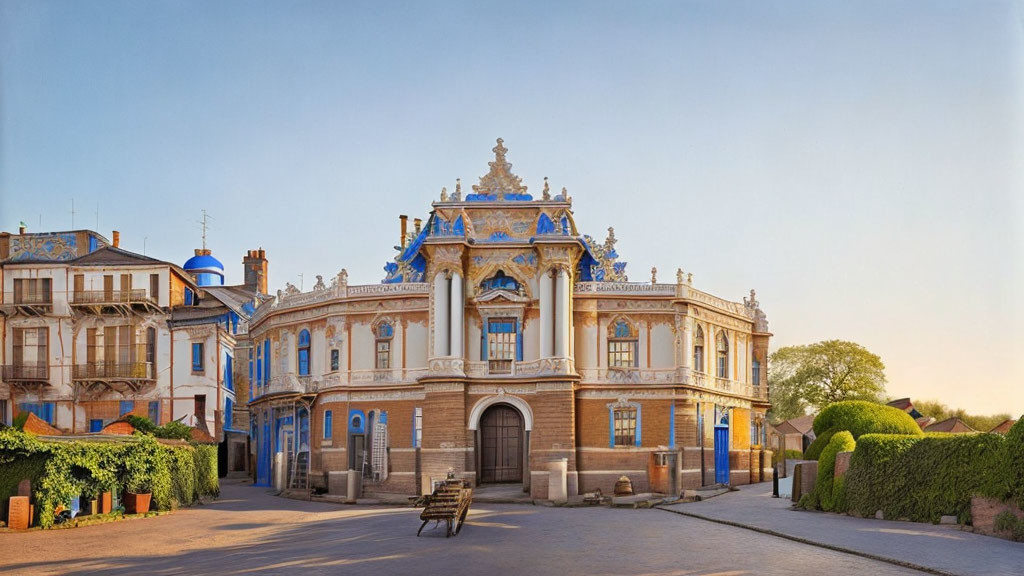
(123, 302)
(29, 304)
(25, 373)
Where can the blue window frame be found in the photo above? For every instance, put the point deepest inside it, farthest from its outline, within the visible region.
(126, 407)
(624, 424)
(229, 373)
(304, 353)
(189, 297)
(417, 427)
(756, 374)
(229, 407)
(95, 425)
(252, 384)
(259, 365)
(154, 411)
(198, 362)
(328, 424)
(266, 363)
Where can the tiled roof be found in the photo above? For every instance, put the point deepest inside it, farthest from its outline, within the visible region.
(951, 425)
(1003, 427)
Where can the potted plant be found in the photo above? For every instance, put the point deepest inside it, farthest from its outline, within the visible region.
(137, 491)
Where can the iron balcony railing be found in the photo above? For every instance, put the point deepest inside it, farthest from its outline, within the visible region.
(113, 370)
(29, 298)
(100, 297)
(25, 372)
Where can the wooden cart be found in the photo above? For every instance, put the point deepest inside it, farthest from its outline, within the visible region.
(449, 503)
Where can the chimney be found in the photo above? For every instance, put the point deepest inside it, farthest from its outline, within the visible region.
(255, 265)
(21, 230)
(416, 223)
(117, 239)
(405, 223)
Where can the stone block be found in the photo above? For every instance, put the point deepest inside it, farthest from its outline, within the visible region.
(337, 483)
(18, 513)
(985, 510)
(842, 463)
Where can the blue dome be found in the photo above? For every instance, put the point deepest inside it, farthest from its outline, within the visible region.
(207, 270)
(204, 262)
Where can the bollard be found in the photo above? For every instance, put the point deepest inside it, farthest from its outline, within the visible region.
(775, 482)
(557, 489)
(353, 487)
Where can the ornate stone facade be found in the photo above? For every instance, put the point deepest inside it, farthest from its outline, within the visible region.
(499, 310)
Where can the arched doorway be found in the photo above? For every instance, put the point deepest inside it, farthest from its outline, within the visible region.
(501, 445)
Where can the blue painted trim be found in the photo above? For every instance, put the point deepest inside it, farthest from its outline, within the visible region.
(639, 424)
(611, 428)
(672, 425)
(356, 428)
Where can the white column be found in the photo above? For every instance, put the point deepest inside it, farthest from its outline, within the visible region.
(440, 315)
(562, 314)
(687, 345)
(457, 316)
(547, 315)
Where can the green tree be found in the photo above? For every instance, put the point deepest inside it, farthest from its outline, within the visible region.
(940, 412)
(816, 375)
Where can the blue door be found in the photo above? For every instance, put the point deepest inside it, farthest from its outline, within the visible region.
(263, 465)
(722, 454)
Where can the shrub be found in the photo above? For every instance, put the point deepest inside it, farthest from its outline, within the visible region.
(858, 418)
(141, 423)
(826, 493)
(174, 431)
(1008, 522)
(60, 470)
(1012, 472)
(922, 477)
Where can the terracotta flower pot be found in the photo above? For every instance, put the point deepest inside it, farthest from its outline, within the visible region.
(137, 503)
(105, 506)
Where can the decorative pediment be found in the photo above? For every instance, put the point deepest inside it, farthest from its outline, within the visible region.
(499, 184)
(501, 296)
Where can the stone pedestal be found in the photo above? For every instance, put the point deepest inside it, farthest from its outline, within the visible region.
(352, 491)
(557, 488)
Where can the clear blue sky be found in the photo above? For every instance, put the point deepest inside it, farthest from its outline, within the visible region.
(860, 164)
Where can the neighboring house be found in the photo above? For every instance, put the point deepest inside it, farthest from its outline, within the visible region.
(952, 426)
(1003, 427)
(794, 434)
(90, 332)
(502, 338)
(907, 406)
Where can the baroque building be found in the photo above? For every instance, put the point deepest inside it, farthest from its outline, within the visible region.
(91, 332)
(503, 339)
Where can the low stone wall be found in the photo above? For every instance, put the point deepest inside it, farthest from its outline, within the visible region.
(984, 512)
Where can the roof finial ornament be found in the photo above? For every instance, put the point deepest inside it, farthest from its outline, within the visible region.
(444, 194)
(499, 151)
(679, 276)
(547, 189)
(689, 278)
(458, 189)
(654, 275)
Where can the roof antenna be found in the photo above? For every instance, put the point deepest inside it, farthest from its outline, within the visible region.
(72, 213)
(205, 224)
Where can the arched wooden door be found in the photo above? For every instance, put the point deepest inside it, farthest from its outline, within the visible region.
(501, 445)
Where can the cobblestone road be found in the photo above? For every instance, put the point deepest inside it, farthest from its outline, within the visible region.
(248, 531)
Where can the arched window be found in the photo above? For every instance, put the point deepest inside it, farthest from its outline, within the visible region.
(383, 333)
(698, 350)
(722, 346)
(622, 345)
(500, 282)
(304, 353)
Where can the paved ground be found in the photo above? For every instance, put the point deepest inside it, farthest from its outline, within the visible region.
(248, 531)
(942, 548)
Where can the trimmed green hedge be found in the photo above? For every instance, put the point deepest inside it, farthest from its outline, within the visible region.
(828, 495)
(858, 418)
(922, 478)
(59, 470)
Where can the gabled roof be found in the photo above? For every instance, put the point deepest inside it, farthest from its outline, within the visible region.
(902, 404)
(1003, 427)
(951, 425)
(798, 425)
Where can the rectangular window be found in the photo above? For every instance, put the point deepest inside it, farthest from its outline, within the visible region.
(198, 364)
(501, 345)
(151, 351)
(108, 288)
(126, 407)
(95, 425)
(79, 288)
(328, 424)
(723, 366)
(756, 374)
(229, 413)
(31, 352)
(622, 353)
(199, 403)
(417, 427)
(154, 287)
(154, 411)
(335, 359)
(3, 413)
(32, 291)
(229, 377)
(383, 354)
(625, 426)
